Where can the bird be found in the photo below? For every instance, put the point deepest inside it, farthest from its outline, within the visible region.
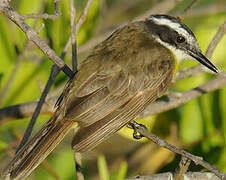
(122, 75)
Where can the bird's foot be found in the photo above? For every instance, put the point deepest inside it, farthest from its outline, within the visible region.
(133, 125)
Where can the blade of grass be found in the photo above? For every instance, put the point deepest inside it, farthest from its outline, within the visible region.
(102, 168)
(122, 171)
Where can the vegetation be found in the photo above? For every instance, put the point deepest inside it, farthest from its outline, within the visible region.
(198, 126)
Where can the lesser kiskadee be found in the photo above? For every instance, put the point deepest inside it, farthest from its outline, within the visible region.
(123, 74)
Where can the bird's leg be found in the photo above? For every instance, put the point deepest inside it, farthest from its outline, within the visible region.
(134, 125)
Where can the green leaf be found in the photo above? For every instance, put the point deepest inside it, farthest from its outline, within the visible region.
(122, 171)
(102, 168)
(191, 123)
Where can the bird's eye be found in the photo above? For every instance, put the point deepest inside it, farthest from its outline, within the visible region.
(180, 39)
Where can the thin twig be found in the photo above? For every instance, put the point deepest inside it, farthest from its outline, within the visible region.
(41, 28)
(54, 71)
(160, 8)
(204, 11)
(172, 102)
(80, 22)
(9, 83)
(83, 16)
(162, 143)
(32, 35)
(73, 35)
(215, 41)
(167, 176)
(54, 16)
(182, 169)
(50, 170)
(190, 6)
(78, 165)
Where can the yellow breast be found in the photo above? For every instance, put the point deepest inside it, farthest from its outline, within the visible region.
(176, 65)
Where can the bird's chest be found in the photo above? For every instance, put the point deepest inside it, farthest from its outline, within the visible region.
(145, 74)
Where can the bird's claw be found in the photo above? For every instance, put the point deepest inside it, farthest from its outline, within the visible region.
(134, 125)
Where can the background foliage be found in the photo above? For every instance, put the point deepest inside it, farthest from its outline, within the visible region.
(198, 126)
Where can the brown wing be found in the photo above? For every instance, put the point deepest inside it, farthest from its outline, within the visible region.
(90, 136)
(90, 108)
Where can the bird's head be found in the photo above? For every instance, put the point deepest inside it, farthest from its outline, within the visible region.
(177, 37)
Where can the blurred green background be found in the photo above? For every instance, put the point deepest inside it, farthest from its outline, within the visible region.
(198, 126)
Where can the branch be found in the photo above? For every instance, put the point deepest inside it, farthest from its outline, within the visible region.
(162, 143)
(80, 22)
(32, 35)
(215, 41)
(83, 16)
(54, 71)
(73, 36)
(24, 110)
(160, 8)
(11, 79)
(190, 6)
(182, 169)
(167, 176)
(173, 102)
(54, 16)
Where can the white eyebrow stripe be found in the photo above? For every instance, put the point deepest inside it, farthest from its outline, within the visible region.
(176, 26)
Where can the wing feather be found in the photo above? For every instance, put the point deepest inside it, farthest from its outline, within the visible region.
(89, 137)
(99, 104)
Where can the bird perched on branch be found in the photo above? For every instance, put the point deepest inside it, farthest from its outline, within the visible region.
(123, 74)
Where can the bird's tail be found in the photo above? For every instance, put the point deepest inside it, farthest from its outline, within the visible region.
(38, 148)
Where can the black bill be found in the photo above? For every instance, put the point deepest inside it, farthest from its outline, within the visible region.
(203, 60)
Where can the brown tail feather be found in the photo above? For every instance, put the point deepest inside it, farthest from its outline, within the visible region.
(38, 148)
